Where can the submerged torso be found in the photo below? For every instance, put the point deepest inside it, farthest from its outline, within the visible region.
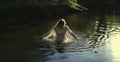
(60, 33)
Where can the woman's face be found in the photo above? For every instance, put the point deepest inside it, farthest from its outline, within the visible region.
(61, 23)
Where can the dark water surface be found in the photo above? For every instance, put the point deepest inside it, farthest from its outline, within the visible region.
(100, 34)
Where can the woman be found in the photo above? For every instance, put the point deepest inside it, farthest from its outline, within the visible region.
(60, 34)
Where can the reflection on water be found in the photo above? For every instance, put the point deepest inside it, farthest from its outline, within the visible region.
(99, 41)
(104, 42)
(115, 41)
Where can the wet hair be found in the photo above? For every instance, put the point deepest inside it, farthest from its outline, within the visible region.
(61, 23)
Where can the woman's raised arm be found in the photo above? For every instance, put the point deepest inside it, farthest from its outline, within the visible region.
(72, 33)
(48, 34)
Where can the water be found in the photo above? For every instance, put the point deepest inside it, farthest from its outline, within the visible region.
(99, 36)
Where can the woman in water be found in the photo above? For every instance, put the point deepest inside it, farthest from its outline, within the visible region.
(59, 35)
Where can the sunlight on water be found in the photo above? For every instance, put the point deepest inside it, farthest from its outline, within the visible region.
(115, 47)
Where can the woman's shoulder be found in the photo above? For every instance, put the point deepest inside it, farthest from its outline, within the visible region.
(66, 26)
(55, 27)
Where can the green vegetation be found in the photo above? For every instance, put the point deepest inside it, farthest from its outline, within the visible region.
(75, 4)
(26, 9)
(4, 4)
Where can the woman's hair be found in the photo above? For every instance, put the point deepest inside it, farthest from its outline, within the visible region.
(61, 23)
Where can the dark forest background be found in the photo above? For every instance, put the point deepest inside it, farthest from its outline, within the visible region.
(27, 10)
(21, 21)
